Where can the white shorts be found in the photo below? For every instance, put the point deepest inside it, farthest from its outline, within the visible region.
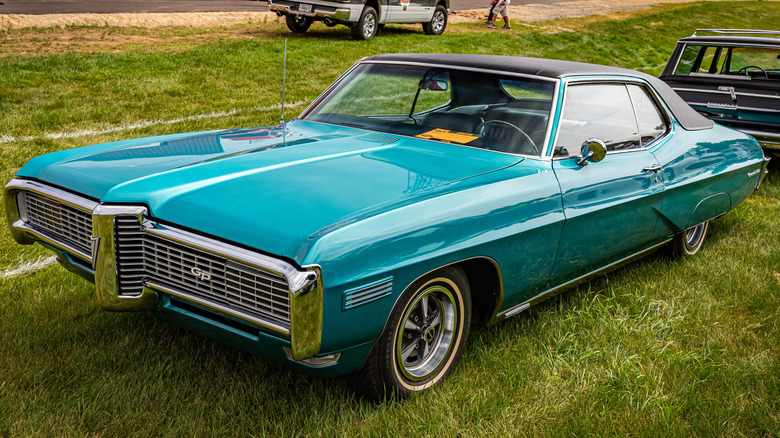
(502, 10)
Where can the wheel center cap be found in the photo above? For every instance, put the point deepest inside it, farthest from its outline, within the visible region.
(429, 334)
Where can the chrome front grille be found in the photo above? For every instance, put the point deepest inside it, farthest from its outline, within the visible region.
(146, 258)
(59, 221)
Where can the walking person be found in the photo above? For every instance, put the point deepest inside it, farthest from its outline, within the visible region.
(490, 14)
(501, 7)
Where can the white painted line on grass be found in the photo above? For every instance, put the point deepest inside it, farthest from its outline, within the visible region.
(28, 267)
(147, 123)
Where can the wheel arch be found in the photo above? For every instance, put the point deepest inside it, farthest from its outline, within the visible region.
(486, 285)
(377, 7)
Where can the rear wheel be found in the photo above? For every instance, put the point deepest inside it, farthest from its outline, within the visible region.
(438, 22)
(423, 340)
(367, 26)
(690, 241)
(298, 24)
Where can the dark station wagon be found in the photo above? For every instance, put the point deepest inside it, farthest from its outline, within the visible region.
(731, 76)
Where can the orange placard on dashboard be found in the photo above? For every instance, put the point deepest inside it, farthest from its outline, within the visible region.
(447, 135)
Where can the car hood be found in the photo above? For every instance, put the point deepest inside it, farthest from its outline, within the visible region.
(273, 189)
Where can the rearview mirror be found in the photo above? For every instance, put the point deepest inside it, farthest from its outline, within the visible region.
(593, 150)
(433, 85)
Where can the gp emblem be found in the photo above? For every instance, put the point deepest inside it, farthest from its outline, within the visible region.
(200, 275)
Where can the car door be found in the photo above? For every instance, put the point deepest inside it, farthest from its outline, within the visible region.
(410, 11)
(611, 206)
(698, 80)
(757, 93)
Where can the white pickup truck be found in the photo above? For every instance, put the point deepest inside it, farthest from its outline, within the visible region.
(364, 17)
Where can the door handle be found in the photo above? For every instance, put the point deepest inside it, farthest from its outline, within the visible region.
(653, 168)
(731, 91)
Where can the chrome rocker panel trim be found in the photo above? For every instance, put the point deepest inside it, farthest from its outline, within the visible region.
(560, 288)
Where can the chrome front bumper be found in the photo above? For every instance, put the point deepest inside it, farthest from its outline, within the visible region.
(304, 330)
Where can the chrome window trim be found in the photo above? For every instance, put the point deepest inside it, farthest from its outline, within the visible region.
(660, 104)
(698, 90)
(550, 122)
(719, 76)
(734, 107)
(677, 61)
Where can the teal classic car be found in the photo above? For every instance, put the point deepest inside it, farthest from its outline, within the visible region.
(418, 195)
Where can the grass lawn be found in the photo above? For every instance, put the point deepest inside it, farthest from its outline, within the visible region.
(658, 348)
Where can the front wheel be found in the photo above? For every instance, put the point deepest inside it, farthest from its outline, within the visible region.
(298, 24)
(367, 26)
(423, 340)
(690, 241)
(438, 22)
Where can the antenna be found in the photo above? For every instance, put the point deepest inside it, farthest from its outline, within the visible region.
(284, 80)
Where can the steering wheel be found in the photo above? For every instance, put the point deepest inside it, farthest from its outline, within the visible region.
(745, 70)
(481, 127)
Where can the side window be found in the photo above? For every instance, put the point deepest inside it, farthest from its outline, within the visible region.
(712, 61)
(688, 58)
(651, 123)
(603, 111)
(761, 63)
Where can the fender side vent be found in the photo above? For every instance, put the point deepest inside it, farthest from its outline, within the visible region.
(367, 294)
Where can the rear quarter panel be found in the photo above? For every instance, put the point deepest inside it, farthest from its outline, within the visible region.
(706, 173)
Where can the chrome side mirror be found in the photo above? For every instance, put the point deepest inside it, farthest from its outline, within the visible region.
(593, 150)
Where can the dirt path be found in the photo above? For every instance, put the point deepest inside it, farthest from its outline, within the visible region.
(521, 12)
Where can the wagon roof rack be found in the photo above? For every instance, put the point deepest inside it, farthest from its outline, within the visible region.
(739, 32)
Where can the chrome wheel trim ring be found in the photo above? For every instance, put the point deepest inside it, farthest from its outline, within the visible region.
(438, 21)
(369, 25)
(429, 324)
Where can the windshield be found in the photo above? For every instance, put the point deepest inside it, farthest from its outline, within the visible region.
(503, 113)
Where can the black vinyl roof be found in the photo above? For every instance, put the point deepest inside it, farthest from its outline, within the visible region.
(553, 69)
